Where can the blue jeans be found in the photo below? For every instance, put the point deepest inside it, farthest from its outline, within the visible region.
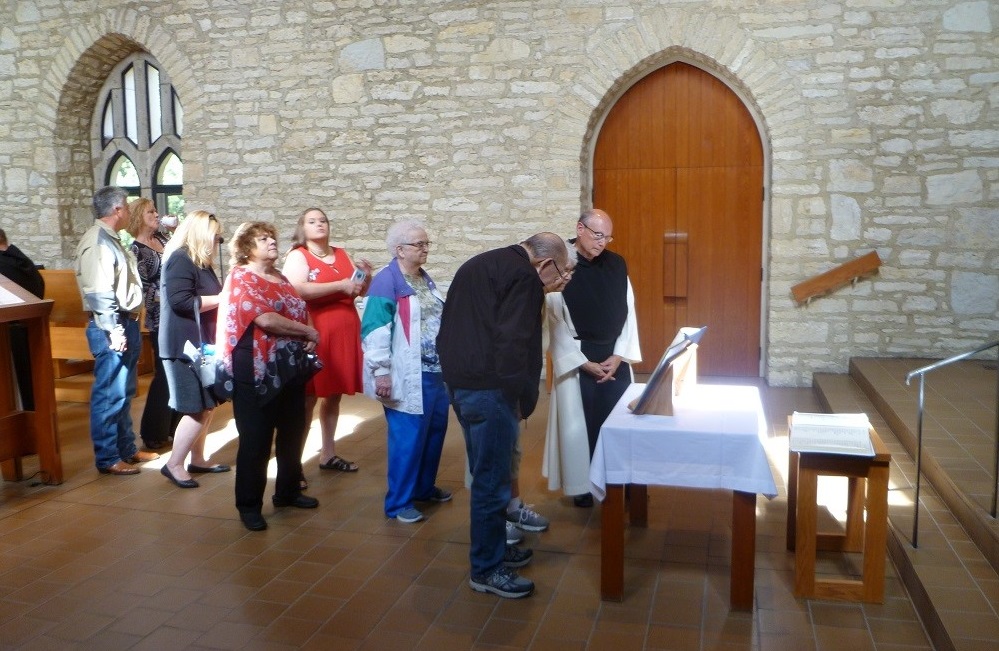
(115, 381)
(489, 422)
(414, 447)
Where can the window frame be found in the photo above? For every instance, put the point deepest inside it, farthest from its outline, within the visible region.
(146, 154)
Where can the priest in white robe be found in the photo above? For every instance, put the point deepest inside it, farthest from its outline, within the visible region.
(593, 340)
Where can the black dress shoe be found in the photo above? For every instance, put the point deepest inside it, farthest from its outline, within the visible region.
(253, 521)
(584, 501)
(298, 501)
(181, 483)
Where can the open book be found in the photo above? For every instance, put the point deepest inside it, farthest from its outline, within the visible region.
(684, 338)
(831, 434)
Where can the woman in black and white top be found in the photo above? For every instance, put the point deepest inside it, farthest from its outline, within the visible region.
(158, 420)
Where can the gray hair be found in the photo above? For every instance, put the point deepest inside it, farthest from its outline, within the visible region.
(107, 199)
(586, 215)
(548, 245)
(398, 231)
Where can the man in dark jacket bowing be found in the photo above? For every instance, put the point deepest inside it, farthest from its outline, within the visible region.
(490, 351)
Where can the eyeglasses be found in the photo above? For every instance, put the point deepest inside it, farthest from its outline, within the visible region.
(600, 237)
(562, 274)
(418, 245)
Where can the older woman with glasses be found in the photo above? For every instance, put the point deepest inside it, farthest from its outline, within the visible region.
(325, 277)
(266, 340)
(190, 300)
(403, 372)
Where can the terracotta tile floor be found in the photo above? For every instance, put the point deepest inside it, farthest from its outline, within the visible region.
(104, 562)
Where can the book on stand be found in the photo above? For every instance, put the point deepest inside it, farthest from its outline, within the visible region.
(831, 434)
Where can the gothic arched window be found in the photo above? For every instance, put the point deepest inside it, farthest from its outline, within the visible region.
(138, 124)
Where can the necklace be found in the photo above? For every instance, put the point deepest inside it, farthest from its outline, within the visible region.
(318, 255)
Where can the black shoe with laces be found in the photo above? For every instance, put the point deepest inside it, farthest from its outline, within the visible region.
(503, 582)
(516, 557)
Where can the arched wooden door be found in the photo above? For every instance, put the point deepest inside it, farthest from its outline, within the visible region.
(679, 167)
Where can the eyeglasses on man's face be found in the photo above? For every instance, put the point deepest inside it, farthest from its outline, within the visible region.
(422, 244)
(562, 274)
(598, 236)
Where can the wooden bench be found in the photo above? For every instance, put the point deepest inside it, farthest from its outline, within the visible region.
(72, 362)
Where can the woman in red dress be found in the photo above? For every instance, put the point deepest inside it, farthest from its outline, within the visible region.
(325, 277)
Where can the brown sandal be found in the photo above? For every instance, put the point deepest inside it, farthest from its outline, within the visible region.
(337, 462)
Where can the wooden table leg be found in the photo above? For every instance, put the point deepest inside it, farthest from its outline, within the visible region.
(804, 553)
(743, 550)
(638, 505)
(854, 539)
(876, 534)
(612, 544)
(44, 421)
(793, 460)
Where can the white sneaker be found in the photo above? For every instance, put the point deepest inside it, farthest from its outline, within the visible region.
(527, 519)
(514, 536)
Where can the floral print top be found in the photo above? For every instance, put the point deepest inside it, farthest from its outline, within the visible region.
(276, 358)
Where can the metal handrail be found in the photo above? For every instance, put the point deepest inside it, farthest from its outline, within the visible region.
(921, 372)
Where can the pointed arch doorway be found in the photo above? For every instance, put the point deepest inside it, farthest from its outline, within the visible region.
(678, 165)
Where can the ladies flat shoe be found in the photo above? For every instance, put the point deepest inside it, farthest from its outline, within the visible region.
(181, 483)
(218, 467)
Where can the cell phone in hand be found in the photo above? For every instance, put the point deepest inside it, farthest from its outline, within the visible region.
(360, 275)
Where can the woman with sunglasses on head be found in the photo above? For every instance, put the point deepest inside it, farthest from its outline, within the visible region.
(190, 297)
(325, 277)
(158, 420)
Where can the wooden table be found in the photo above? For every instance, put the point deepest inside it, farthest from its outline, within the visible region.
(870, 536)
(713, 440)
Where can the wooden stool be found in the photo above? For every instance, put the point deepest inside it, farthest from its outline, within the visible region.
(871, 538)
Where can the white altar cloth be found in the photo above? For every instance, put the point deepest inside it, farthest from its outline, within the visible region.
(713, 440)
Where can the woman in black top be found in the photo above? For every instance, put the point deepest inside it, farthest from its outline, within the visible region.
(190, 295)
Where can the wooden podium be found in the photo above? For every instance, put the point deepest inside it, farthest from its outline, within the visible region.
(28, 432)
(867, 535)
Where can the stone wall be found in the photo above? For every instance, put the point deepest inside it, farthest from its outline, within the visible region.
(878, 118)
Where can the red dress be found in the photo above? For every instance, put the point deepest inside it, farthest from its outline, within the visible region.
(335, 317)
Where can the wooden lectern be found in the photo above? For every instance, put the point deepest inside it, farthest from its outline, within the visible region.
(28, 432)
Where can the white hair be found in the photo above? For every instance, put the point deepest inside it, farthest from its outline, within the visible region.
(398, 232)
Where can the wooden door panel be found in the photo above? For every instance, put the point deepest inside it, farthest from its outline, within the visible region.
(642, 204)
(679, 153)
(724, 237)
